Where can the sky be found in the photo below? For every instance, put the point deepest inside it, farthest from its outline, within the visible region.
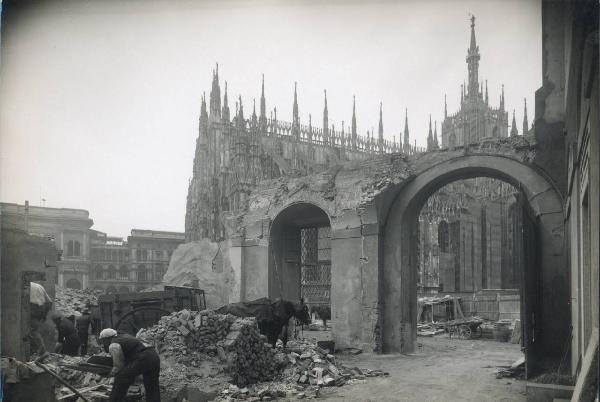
(99, 100)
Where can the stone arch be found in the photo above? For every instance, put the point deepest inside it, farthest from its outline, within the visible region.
(294, 240)
(398, 295)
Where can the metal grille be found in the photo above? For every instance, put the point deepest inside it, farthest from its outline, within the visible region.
(315, 259)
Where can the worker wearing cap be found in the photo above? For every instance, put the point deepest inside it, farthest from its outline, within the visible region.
(131, 357)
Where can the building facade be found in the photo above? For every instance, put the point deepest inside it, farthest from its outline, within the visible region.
(140, 262)
(68, 228)
(90, 258)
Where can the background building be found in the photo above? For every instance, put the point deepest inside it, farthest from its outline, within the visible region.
(68, 228)
(90, 258)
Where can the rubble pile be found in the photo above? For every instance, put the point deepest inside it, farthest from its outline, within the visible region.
(188, 337)
(67, 300)
(308, 369)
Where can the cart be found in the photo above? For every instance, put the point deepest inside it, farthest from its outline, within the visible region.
(130, 312)
(466, 328)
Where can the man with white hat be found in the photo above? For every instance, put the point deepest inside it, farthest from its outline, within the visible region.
(131, 357)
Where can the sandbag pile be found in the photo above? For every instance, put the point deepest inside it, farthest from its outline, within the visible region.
(189, 336)
(67, 300)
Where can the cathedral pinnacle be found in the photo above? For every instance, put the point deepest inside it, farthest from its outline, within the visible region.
(445, 107)
(473, 62)
(486, 93)
(262, 120)
(430, 137)
(296, 118)
(353, 132)
(406, 133)
(436, 144)
(225, 113)
(325, 115)
(513, 131)
(525, 122)
(380, 132)
(215, 94)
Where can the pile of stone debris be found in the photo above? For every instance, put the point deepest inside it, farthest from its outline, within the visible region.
(68, 300)
(192, 338)
(226, 356)
(309, 368)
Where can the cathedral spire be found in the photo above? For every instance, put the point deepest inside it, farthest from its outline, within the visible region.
(254, 120)
(353, 132)
(295, 119)
(445, 107)
(436, 144)
(462, 93)
(240, 114)
(486, 93)
(380, 132)
(473, 62)
(262, 120)
(406, 133)
(325, 115)
(225, 113)
(513, 131)
(430, 137)
(525, 122)
(502, 98)
(215, 94)
(203, 113)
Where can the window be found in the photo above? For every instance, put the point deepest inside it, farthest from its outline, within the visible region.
(73, 248)
(123, 273)
(144, 255)
(112, 272)
(77, 249)
(138, 254)
(443, 238)
(160, 271)
(98, 272)
(142, 273)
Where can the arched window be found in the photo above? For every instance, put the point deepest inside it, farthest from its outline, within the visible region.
(76, 249)
(98, 272)
(112, 272)
(138, 254)
(123, 273)
(144, 255)
(443, 239)
(70, 248)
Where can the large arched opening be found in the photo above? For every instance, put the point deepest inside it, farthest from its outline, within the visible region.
(545, 314)
(300, 256)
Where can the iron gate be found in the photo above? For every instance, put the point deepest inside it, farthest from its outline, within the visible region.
(315, 265)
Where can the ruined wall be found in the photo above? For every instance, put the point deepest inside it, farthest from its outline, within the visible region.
(24, 258)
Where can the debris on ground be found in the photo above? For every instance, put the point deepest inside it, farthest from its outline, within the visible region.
(67, 300)
(515, 370)
(215, 344)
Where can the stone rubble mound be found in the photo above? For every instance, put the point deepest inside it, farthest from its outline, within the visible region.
(308, 369)
(67, 300)
(188, 337)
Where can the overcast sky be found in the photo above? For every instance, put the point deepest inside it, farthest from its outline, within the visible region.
(99, 100)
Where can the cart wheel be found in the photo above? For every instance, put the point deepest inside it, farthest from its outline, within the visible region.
(464, 332)
(139, 318)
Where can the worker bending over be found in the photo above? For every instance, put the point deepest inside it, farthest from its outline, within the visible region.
(131, 357)
(67, 335)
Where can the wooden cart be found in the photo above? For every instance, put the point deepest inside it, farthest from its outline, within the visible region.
(130, 312)
(465, 328)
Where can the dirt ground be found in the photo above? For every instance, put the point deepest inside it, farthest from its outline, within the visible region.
(441, 370)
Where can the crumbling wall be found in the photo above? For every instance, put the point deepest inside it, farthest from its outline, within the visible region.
(208, 265)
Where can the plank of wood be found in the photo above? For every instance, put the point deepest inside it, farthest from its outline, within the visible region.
(81, 390)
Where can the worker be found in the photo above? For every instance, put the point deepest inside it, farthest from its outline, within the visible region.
(82, 323)
(131, 357)
(39, 306)
(67, 335)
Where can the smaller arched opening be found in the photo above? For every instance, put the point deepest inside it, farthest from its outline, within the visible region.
(300, 255)
(112, 272)
(123, 272)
